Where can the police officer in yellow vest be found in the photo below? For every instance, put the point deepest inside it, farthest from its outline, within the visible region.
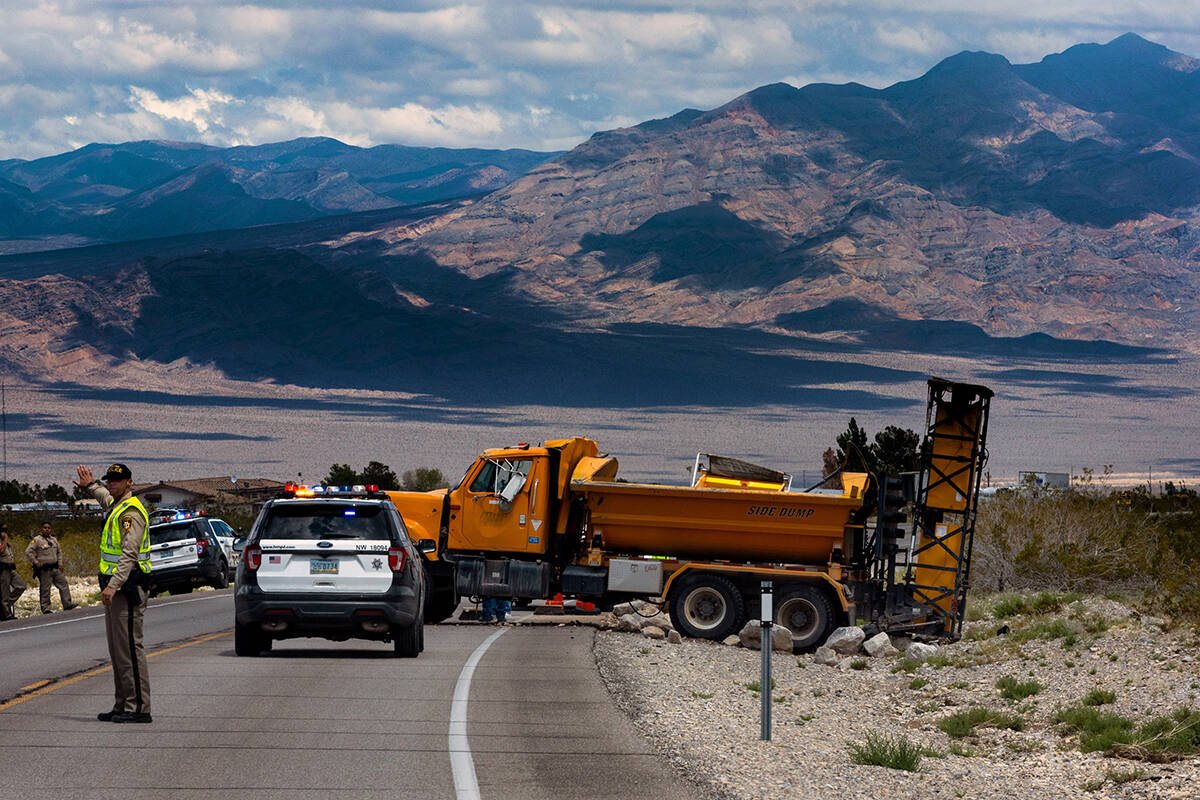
(124, 579)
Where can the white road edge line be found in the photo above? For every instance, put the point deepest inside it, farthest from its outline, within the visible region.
(466, 786)
(101, 616)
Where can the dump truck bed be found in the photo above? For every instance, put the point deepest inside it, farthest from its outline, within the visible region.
(720, 524)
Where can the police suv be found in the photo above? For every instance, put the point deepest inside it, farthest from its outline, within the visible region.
(186, 551)
(330, 562)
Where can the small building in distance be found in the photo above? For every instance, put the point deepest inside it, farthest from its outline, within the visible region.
(1046, 480)
(194, 493)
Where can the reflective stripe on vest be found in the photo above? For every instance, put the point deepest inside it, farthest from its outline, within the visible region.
(110, 537)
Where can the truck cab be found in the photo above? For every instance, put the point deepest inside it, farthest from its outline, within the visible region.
(508, 504)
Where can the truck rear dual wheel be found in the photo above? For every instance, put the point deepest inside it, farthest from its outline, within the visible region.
(805, 611)
(707, 606)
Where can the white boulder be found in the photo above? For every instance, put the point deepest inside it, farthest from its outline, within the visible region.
(826, 656)
(751, 637)
(879, 646)
(846, 641)
(919, 651)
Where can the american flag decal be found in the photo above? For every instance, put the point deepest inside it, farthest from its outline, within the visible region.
(273, 559)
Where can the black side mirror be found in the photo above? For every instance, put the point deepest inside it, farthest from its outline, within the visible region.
(427, 545)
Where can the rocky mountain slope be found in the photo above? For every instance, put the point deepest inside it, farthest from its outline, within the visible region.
(1059, 197)
(1017, 211)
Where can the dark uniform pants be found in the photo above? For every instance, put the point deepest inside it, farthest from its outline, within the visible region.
(52, 576)
(123, 624)
(11, 589)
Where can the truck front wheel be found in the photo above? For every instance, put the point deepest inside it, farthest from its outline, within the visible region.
(707, 607)
(805, 611)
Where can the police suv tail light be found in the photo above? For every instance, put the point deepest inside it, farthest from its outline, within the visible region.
(396, 558)
(252, 556)
(200, 545)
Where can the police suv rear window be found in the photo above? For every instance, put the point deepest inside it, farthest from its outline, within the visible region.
(326, 521)
(179, 532)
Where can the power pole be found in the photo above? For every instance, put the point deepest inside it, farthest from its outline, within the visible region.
(4, 426)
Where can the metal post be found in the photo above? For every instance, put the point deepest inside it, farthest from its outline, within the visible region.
(765, 679)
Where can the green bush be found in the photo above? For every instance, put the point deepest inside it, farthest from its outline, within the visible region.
(1012, 689)
(1159, 739)
(1099, 697)
(1177, 734)
(886, 750)
(1089, 539)
(918, 683)
(1010, 606)
(1055, 629)
(1098, 730)
(964, 723)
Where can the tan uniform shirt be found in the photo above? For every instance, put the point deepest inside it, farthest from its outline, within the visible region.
(43, 550)
(6, 556)
(132, 527)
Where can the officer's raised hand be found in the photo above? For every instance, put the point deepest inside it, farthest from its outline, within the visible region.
(86, 478)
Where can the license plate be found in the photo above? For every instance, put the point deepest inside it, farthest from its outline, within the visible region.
(323, 566)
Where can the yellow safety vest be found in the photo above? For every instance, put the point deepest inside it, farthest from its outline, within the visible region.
(110, 537)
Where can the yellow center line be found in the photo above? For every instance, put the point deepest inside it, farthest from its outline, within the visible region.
(51, 685)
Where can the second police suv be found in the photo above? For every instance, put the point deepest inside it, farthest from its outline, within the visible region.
(330, 562)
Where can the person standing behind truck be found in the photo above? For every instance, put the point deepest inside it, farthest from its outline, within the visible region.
(11, 585)
(45, 554)
(124, 578)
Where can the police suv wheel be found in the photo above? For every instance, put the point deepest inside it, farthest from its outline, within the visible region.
(247, 641)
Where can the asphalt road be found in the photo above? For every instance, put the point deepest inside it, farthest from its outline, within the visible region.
(48, 646)
(316, 718)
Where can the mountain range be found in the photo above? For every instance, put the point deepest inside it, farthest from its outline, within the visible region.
(138, 190)
(1042, 210)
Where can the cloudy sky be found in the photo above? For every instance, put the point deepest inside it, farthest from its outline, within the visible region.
(493, 73)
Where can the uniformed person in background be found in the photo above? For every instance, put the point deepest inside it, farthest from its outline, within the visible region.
(124, 575)
(11, 585)
(45, 555)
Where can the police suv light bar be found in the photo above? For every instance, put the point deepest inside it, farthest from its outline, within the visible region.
(318, 490)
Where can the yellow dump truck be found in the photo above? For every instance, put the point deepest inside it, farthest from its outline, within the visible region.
(529, 522)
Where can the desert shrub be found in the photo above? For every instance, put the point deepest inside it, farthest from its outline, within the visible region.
(1098, 730)
(1166, 736)
(1010, 606)
(1077, 540)
(886, 750)
(918, 683)
(1089, 539)
(964, 723)
(1125, 775)
(1161, 738)
(1054, 629)
(1012, 689)
(1099, 697)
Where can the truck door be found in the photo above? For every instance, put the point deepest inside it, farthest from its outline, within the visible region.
(496, 508)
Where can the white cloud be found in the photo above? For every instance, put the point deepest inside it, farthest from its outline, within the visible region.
(483, 72)
(456, 21)
(475, 87)
(130, 46)
(198, 108)
(920, 39)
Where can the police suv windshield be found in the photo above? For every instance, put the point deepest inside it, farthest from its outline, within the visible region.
(178, 532)
(312, 521)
